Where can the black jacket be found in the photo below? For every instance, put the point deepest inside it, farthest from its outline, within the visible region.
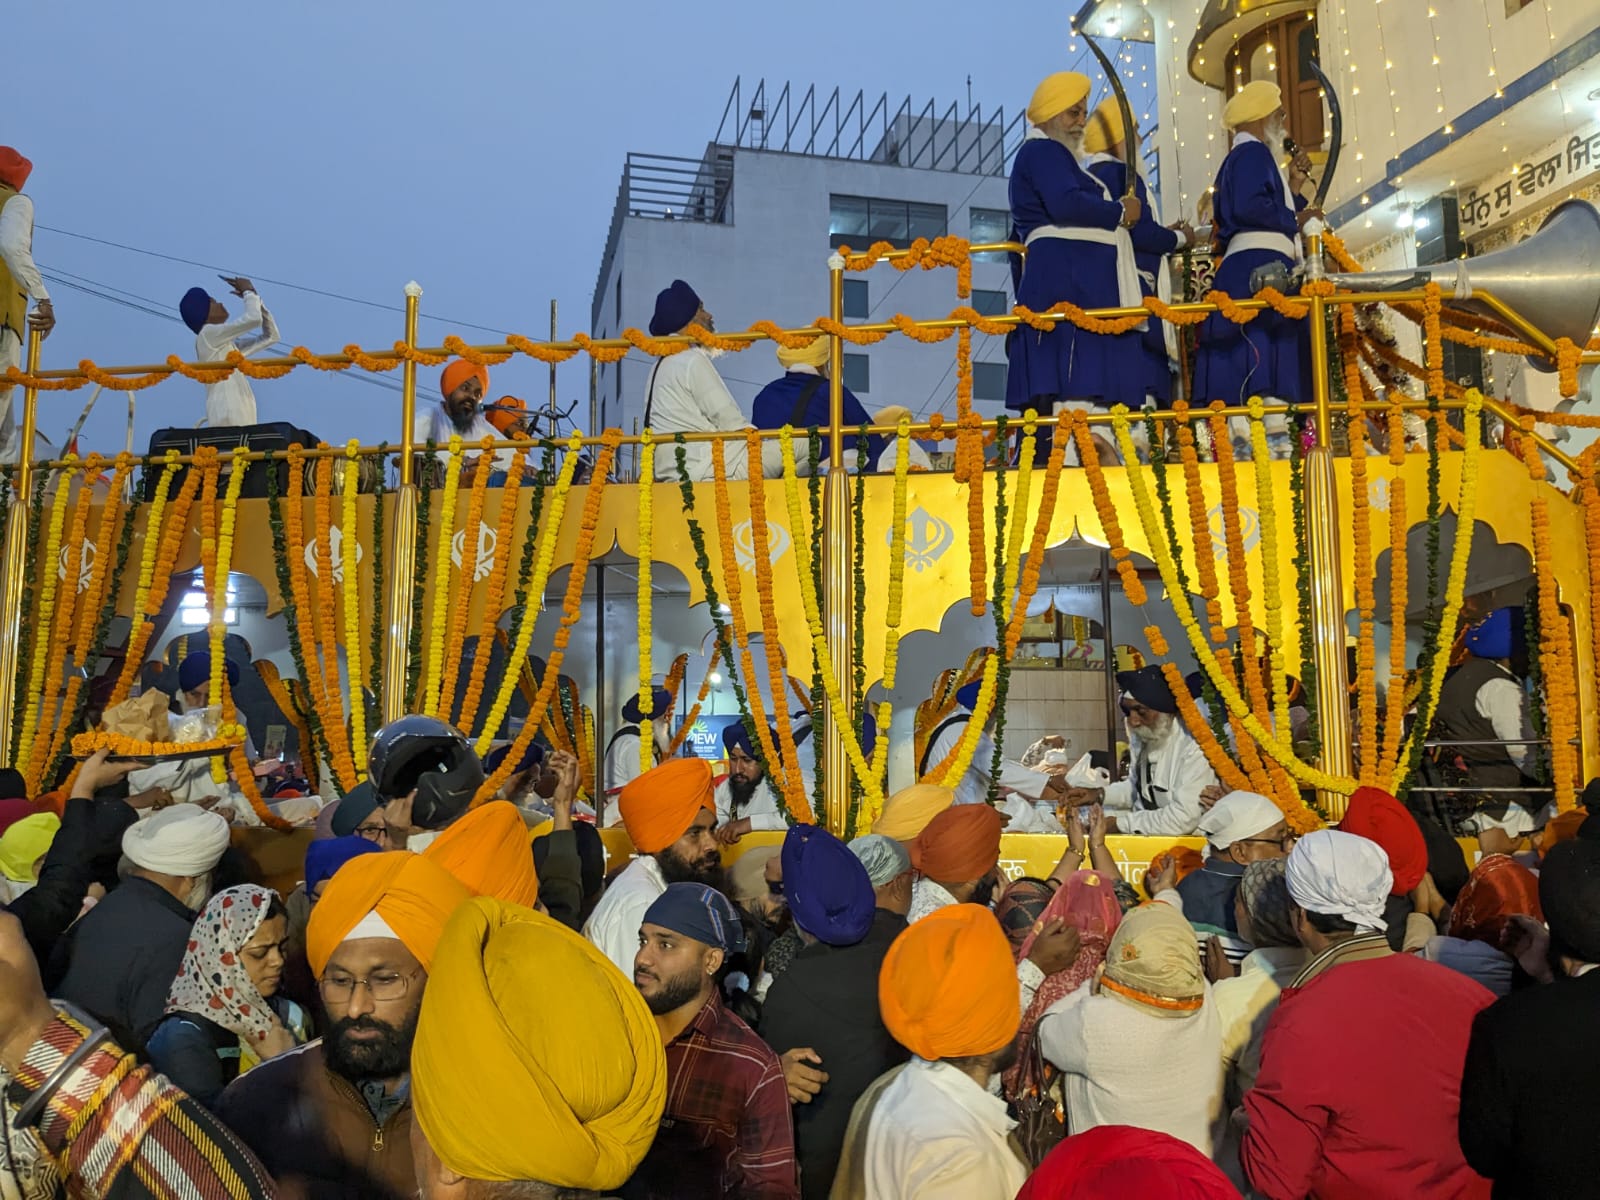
(118, 963)
(1533, 1069)
(828, 1000)
(85, 850)
(199, 1055)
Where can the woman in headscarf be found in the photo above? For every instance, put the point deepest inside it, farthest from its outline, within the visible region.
(1088, 902)
(1497, 890)
(1141, 1046)
(224, 1014)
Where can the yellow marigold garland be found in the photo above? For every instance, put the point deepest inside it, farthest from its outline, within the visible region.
(644, 602)
(349, 544)
(1199, 523)
(164, 538)
(1132, 585)
(1399, 593)
(1271, 589)
(1560, 686)
(42, 639)
(439, 614)
(464, 582)
(895, 608)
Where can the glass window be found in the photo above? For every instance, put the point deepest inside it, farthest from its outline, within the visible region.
(858, 373)
(928, 220)
(889, 221)
(989, 381)
(990, 302)
(856, 307)
(847, 219)
(989, 225)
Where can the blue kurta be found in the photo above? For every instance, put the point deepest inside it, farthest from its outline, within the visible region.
(1270, 356)
(1151, 245)
(1048, 187)
(775, 407)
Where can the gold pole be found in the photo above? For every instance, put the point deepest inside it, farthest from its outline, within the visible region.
(16, 569)
(403, 538)
(552, 367)
(1327, 586)
(838, 602)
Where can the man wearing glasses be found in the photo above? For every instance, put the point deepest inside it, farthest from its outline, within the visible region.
(333, 1118)
(358, 814)
(1241, 828)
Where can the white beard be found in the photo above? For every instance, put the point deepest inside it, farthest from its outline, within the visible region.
(1274, 135)
(199, 893)
(1152, 738)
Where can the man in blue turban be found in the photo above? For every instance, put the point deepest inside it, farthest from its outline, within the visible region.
(621, 765)
(1484, 702)
(230, 401)
(686, 395)
(821, 1015)
(194, 678)
(746, 801)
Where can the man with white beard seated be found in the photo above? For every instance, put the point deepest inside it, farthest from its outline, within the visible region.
(1161, 796)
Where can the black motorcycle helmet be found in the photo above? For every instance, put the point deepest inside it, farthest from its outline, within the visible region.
(431, 758)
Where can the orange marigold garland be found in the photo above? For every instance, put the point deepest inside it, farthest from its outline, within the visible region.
(1132, 586)
(1199, 523)
(496, 594)
(168, 536)
(333, 718)
(465, 581)
(1399, 594)
(1041, 529)
(1365, 682)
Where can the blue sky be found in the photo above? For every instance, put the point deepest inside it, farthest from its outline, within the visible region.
(351, 145)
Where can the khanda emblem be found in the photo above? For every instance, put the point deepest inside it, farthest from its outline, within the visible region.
(1249, 530)
(483, 563)
(86, 557)
(927, 538)
(335, 553)
(744, 545)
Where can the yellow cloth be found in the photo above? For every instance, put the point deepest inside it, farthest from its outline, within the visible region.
(1252, 102)
(487, 849)
(414, 895)
(509, 1087)
(1056, 94)
(659, 806)
(907, 813)
(814, 355)
(24, 843)
(890, 414)
(1104, 129)
(948, 986)
(1153, 962)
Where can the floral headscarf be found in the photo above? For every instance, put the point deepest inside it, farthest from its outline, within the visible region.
(212, 981)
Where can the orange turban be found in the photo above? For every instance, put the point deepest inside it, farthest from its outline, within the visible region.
(457, 372)
(960, 844)
(1189, 860)
(488, 850)
(660, 805)
(948, 987)
(413, 895)
(1561, 828)
(503, 420)
(909, 810)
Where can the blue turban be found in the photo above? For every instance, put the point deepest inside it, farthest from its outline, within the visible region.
(659, 700)
(195, 308)
(737, 736)
(1497, 635)
(869, 735)
(967, 694)
(358, 804)
(531, 758)
(675, 308)
(699, 912)
(327, 856)
(1148, 686)
(826, 886)
(195, 670)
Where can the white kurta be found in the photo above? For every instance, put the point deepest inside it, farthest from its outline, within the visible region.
(685, 394)
(614, 925)
(936, 1134)
(974, 785)
(434, 424)
(232, 402)
(763, 811)
(1175, 774)
(618, 769)
(16, 248)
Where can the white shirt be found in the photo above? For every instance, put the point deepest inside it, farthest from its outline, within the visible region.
(614, 925)
(189, 780)
(434, 424)
(935, 1134)
(1245, 1004)
(763, 811)
(1124, 1066)
(1029, 815)
(232, 402)
(1178, 773)
(1503, 703)
(16, 246)
(927, 896)
(685, 394)
(973, 787)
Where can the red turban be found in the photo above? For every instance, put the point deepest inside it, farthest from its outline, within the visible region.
(1497, 890)
(659, 806)
(457, 372)
(488, 850)
(14, 169)
(1379, 817)
(413, 895)
(959, 845)
(948, 986)
(1110, 1162)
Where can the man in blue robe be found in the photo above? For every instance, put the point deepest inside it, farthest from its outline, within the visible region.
(1258, 218)
(800, 399)
(1106, 146)
(1080, 251)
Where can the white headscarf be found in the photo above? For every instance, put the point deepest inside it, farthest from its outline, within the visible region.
(1341, 875)
(1237, 816)
(183, 840)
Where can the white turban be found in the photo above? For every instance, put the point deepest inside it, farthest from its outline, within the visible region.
(1237, 816)
(884, 858)
(1340, 875)
(183, 840)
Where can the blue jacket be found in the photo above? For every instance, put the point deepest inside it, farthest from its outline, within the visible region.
(1151, 242)
(775, 407)
(1048, 187)
(1249, 194)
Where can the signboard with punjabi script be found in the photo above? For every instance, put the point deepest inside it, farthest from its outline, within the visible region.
(1530, 181)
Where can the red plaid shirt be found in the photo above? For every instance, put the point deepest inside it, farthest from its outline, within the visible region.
(727, 1131)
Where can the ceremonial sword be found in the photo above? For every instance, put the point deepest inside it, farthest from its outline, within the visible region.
(1130, 131)
(1336, 134)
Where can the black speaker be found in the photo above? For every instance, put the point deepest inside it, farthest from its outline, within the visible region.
(277, 436)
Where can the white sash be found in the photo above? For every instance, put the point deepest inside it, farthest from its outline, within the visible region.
(1261, 239)
(1128, 293)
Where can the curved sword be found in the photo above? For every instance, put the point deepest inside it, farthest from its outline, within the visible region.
(1336, 135)
(1130, 131)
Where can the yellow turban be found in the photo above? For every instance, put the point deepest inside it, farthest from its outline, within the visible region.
(1252, 102)
(890, 414)
(413, 895)
(24, 843)
(909, 810)
(1056, 94)
(487, 849)
(505, 1092)
(814, 355)
(1104, 129)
